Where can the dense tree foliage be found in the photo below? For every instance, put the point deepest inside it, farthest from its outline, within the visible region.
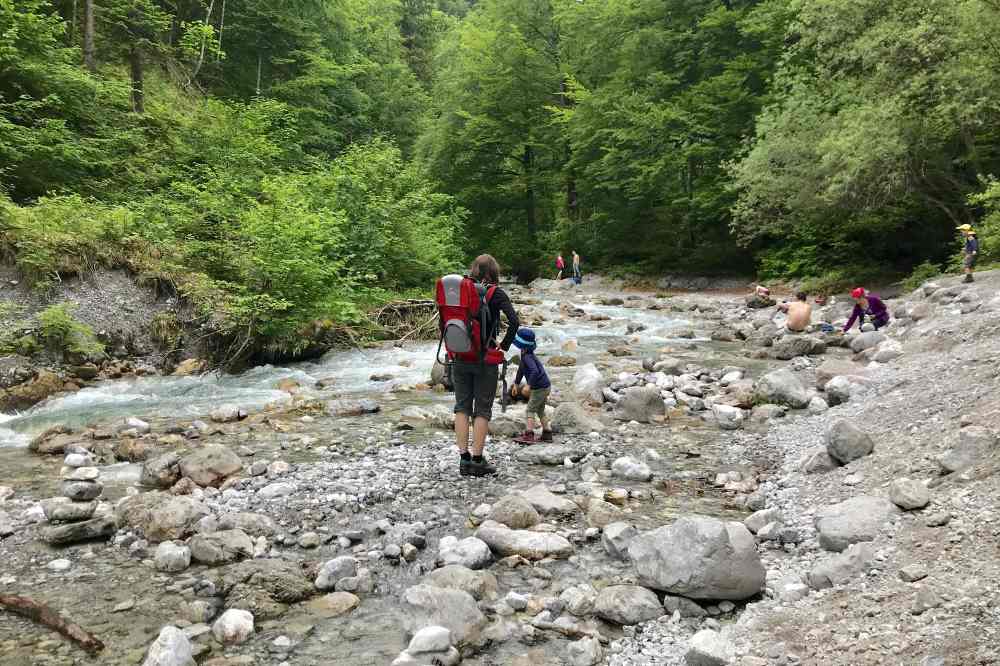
(288, 162)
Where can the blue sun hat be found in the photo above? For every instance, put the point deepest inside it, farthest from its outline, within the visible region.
(525, 339)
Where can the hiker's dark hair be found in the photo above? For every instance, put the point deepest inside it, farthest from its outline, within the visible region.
(802, 295)
(485, 269)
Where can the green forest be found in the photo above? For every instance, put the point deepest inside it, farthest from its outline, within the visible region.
(284, 165)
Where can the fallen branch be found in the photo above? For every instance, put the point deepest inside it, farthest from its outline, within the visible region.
(42, 614)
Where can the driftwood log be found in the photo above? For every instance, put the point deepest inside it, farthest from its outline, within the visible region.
(42, 614)
(413, 318)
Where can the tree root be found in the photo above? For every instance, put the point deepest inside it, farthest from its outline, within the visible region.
(42, 614)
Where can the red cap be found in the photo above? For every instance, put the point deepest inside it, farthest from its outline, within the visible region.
(858, 293)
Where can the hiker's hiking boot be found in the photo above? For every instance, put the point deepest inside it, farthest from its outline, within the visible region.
(546, 436)
(969, 278)
(464, 464)
(481, 467)
(527, 437)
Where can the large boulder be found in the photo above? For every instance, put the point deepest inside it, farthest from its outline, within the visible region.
(101, 527)
(211, 465)
(783, 387)
(842, 567)
(852, 521)
(441, 376)
(515, 512)
(839, 390)
(571, 418)
(455, 610)
(265, 587)
(220, 547)
(531, 545)
(845, 441)
(233, 627)
(588, 384)
(173, 519)
(172, 557)
(640, 403)
(792, 345)
(627, 604)
(700, 558)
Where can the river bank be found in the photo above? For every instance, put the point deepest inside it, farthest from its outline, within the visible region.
(311, 480)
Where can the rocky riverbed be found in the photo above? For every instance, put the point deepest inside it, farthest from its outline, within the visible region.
(718, 493)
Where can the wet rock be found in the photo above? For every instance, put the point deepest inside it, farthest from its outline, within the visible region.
(62, 510)
(335, 604)
(841, 568)
(55, 440)
(585, 652)
(233, 627)
(669, 365)
(588, 384)
(440, 375)
(866, 341)
(81, 491)
(161, 472)
(29, 393)
(96, 528)
(601, 513)
(220, 547)
(579, 599)
(545, 454)
(469, 552)
(709, 648)
(630, 469)
(171, 648)
(334, 570)
(909, 494)
(852, 521)
(641, 404)
(572, 418)
(783, 387)
(480, 584)
(790, 346)
(699, 557)
(548, 503)
(211, 465)
(171, 557)
(188, 367)
(530, 545)
(845, 441)
(457, 611)
(616, 538)
(265, 587)
(228, 414)
(515, 512)
(343, 408)
(627, 604)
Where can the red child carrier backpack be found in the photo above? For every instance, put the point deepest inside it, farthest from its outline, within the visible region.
(468, 330)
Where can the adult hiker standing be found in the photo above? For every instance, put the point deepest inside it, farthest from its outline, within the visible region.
(971, 250)
(560, 266)
(476, 383)
(870, 305)
(576, 268)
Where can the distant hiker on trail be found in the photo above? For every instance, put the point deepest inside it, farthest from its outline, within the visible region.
(560, 266)
(799, 313)
(971, 250)
(870, 305)
(577, 277)
(469, 310)
(537, 386)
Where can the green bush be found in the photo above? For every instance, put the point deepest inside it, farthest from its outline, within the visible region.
(922, 273)
(60, 332)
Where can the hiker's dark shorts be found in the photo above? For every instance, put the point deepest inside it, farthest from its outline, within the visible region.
(475, 388)
(970, 260)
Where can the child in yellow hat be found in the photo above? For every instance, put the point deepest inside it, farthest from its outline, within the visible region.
(971, 250)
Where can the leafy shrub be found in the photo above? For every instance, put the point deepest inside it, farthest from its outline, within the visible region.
(60, 331)
(922, 273)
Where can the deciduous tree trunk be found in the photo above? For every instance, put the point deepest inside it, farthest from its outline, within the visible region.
(88, 36)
